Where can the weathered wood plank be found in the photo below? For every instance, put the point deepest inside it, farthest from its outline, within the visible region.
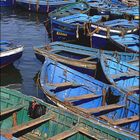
(103, 108)
(122, 121)
(61, 85)
(126, 120)
(106, 119)
(11, 110)
(82, 97)
(64, 134)
(89, 134)
(29, 124)
(88, 58)
(133, 88)
(127, 74)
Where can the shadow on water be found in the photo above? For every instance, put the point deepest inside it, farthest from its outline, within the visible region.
(10, 75)
(27, 29)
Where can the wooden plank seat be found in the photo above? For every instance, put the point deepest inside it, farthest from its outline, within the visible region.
(133, 88)
(64, 84)
(91, 134)
(31, 136)
(11, 110)
(122, 121)
(126, 120)
(88, 58)
(82, 97)
(64, 134)
(103, 108)
(127, 74)
(28, 124)
(74, 131)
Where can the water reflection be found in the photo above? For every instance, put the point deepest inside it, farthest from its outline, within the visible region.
(27, 29)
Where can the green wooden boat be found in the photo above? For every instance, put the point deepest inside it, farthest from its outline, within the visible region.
(53, 124)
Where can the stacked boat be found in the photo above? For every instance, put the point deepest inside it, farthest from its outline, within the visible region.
(98, 77)
(26, 117)
(92, 76)
(94, 30)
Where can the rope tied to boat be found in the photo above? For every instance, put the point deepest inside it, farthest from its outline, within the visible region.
(84, 27)
(108, 32)
(77, 31)
(122, 32)
(37, 5)
(48, 8)
(94, 31)
(91, 33)
(29, 5)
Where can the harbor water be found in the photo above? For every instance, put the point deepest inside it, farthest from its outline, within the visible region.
(27, 29)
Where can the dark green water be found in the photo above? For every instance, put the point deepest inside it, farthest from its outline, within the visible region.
(27, 29)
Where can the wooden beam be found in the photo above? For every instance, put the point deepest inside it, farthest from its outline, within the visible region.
(64, 84)
(103, 117)
(28, 124)
(103, 108)
(64, 134)
(90, 134)
(127, 74)
(82, 97)
(133, 88)
(11, 110)
(122, 121)
(88, 58)
(126, 120)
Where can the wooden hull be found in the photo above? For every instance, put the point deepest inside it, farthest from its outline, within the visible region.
(77, 53)
(42, 6)
(128, 43)
(121, 74)
(55, 123)
(9, 55)
(7, 3)
(71, 89)
(100, 38)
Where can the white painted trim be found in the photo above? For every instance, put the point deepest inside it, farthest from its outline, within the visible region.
(98, 35)
(11, 51)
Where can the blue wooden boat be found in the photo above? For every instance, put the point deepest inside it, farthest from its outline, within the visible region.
(84, 30)
(107, 8)
(90, 97)
(78, 52)
(100, 7)
(126, 43)
(101, 32)
(72, 27)
(80, 58)
(73, 8)
(132, 12)
(128, 117)
(120, 74)
(43, 6)
(7, 3)
(50, 122)
(9, 52)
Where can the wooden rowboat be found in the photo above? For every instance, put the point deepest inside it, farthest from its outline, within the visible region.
(87, 96)
(50, 122)
(121, 74)
(9, 52)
